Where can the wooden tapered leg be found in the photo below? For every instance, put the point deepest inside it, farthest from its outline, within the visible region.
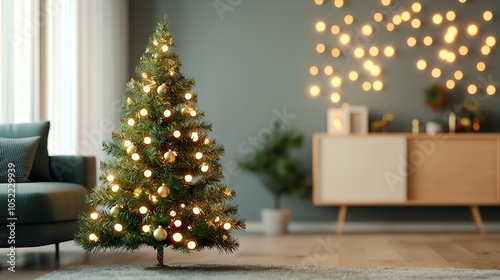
(341, 218)
(476, 216)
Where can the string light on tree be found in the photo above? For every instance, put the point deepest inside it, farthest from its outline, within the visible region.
(177, 237)
(93, 237)
(94, 216)
(115, 188)
(146, 228)
(162, 89)
(177, 134)
(118, 227)
(147, 140)
(143, 112)
(198, 155)
(191, 245)
(188, 178)
(143, 210)
(131, 122)
(196, 210)
(136, 156)
(146, 89)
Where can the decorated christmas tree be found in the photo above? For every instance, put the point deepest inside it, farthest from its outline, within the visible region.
(162, 185)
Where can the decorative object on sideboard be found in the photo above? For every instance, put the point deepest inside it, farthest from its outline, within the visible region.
(468, 117)
(452, 122)
(358, 119)
(433, 127)
(339, 121)
(415, 126)
(383, 124)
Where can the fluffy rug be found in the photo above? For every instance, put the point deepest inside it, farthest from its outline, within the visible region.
(244, 272)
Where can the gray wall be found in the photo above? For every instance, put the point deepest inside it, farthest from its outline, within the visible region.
(252, 62)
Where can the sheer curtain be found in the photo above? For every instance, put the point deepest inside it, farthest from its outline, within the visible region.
(64, 61)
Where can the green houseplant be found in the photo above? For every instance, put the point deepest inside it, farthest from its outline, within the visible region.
(279, 172)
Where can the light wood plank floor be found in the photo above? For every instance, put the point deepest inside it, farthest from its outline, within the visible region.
(415, 250)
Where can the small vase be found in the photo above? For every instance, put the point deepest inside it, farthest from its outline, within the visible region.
(275, 221)
(433, 128)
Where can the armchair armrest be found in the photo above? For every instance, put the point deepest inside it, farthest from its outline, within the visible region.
(74, 169)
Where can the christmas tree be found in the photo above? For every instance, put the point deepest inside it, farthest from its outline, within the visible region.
(162, 185)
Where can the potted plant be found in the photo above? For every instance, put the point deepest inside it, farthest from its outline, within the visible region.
(280, 173)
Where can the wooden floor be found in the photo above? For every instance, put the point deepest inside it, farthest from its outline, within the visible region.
(417, 250)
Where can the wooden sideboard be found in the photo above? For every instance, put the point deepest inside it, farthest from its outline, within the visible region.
(394, 169)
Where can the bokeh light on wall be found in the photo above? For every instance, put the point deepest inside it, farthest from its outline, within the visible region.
(472, 29)
(320, 48)
(374, 51)
(338, 3)
(490, 41)
(421, 64)
(416, 7)
(313, 70)
(390, 26)
(406, 16)
(487, 15)
(491, 89)
(314, 91)
(481, 66)
(318, 2)
(450, 15)
(389, 51)
(385, 2)
(367, 30)
(416, 23)
(335, 97)
(436, 72)
(397, 20)
(335, 52)
(336, 82)
(463, 50)
(353, 76)
(378, 17)
(458, 75)
(320, 26)
(368, 65)
(472, 89)
(428, 40)
(375, 70)
(345, 39)
(335, 29)
(348, 19)
(485, 50)
(328, 70)
(411, 42)
(359, 52)
(367, 86)
(377, 85)
(450, 84)
(437, 19)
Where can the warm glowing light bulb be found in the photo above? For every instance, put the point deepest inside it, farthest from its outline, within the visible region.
(458, 75)
(172, 213)
(437, 19)
(131, 122)
(204, 168)
(335, 52)
(367, 86)
(94, 216)
(450, 57)
(411, 42)
(177, 223)
(353, 75)
(164, 48)
(188, 178)
(194, 136)
(485, 50)
(491, 89)
(359, 52)
(148, 173)
(146, 89)
(367, 29)
(336, 82)
(217, 219)
(318, 2)
(127, 143)
(368, 65)
(375, 70)
(110, 177)
(314, 90)
(389, 51)
(481, 66)
(378, 85)
(450, 15)
(193, 113)
(450, 84)
(490, 41)
(146, 228)
(143, 112)
(328, 70)
(320, 26)
(345, 39)
(320, 48)
(463, 50)
(227, 226)
(335, 29)
(472, 89)
(348, 19)
(472, 29)
(207, 141)
(421, 64)
(442, 54)
(416, 7)
(415, 23)
(487, 15)
(147, 140)
(191, 245)
(118, 227)
(198, 155)
(177, 237)
(177, 134)
(428, 40)
(92, 237)
(136, 156)
(374, 51)
(436, 72)
(385, 2)
(335, 97)
(378, 17)
(115, 188)
(196, 210)
(143, 210)
(338, 3)
(314, 70)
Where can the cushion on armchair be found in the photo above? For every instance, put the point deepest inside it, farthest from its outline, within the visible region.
(40, 172)
(16, 158)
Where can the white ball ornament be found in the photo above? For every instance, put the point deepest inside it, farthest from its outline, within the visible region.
(170, 156)
(162, 89)
(115, 210)
(160, 234)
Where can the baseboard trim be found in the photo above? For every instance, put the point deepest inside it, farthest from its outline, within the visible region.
(392, 227)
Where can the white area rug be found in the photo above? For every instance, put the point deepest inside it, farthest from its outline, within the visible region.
(244, 272)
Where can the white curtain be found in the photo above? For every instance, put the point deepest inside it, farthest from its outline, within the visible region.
(65, 61)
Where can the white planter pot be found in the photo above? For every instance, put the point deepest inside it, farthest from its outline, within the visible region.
(275, 221)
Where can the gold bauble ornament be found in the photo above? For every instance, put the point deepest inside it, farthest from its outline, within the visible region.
(163, 191)
(160, 234)
(170, 156)
(131, 149)
(162, 89)
(115, 210)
